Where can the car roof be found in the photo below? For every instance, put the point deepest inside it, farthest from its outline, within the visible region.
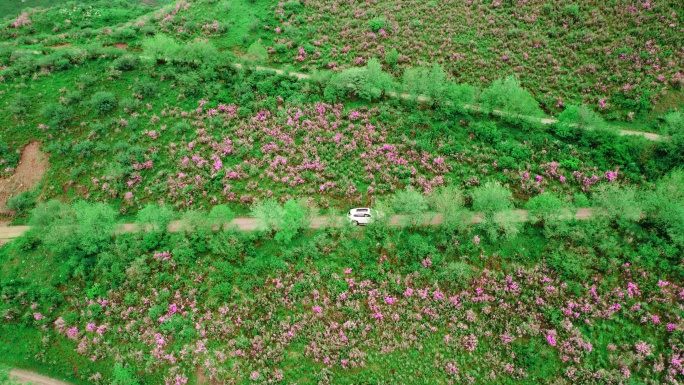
(359, 209)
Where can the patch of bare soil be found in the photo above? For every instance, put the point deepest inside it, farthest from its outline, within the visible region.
(26, 377)
(30, 170)
(120, 45)
(61, 45)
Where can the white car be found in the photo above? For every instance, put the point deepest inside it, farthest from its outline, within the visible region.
(360, 216)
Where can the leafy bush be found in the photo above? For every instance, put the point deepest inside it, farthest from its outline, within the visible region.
(583, 117)
(103, 102)
(96, 223)
(508, 95)
(197, 54)
(427, 81)
(617, 202)
(377, 23)
(665, 205)
(161, 47)
(126, 63)
(293, 220)
(20, 104)
(154, 217)
(221, 215)
(494, 202)
(21, 202)
(269, 214)
(258, 52)
(145, 88)
(56, 115)
(391, 57)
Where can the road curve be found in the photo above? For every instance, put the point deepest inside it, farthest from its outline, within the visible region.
(26, 377)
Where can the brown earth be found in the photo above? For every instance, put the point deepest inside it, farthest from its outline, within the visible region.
(120, 45)
(61, 45)
(26, 377)
(30, 170)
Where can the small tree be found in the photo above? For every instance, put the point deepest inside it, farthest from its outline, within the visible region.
(508, 95)
(391, 58)
(292, 221)
(665, 205)
(494, 202)
(425, 81)
(410, 203)
(449, 202)
(617, 202)
(195, 220)
(268, 213)
(96, 224)
(551, 212)
(55, 224)
(220, 216)
(377, 82)
(545, 208)
(154, 217)
(491, 197)
(674, 127)
(582, 117)
(161, 47)
(258, 52)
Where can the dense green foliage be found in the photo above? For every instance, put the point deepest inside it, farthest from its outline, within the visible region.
(156, 113)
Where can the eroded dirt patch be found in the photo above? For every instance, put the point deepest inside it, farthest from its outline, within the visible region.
(30, 170)
(120, 45)
(61, 45)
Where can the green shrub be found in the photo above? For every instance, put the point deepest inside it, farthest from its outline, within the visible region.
(146, 88)
(507, 95)
(488, 132)
(154, 218)
(293, 220)
(56, 115)
(20, 104)
(103, 102)
(197, 54)
(269, 213)
(96, 223)
(426, 81)
(258, 52)
(126, 63)
(377, 23)
(161, 47)
(391, 57)
(21, 202)
(582, 117)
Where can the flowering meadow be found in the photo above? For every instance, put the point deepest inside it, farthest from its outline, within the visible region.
(344, 305)
(615, 56)
(155, 110)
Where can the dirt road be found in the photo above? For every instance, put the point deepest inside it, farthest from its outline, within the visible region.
(26, 377)
(422, 98)
(8, 233)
